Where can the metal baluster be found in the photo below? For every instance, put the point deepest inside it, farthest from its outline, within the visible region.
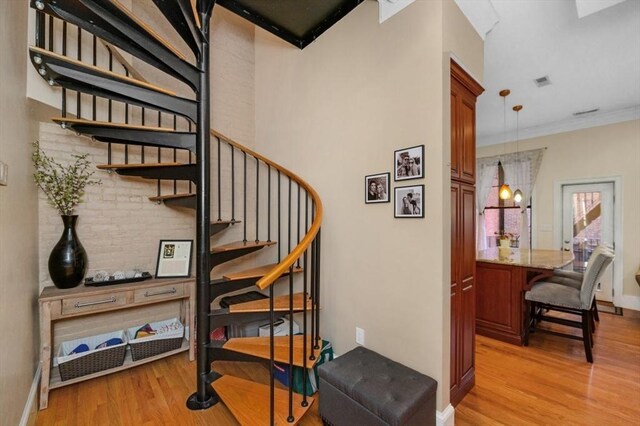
(317, 339)
(233, 183)
(272, 319)
(268, 202)
(143, 112)
(95, 63)
(40, 28)
(159, 152)
(78, 94)
(257, 199)
(175, 154)
(298, 215)
(110, 109)
(64, 53)
(126, 121)
(312, 276)
(279, 218)
(190, 160)
(305, 403)
(244, 216)
(51, 28)
(219, 179)
(290, 419)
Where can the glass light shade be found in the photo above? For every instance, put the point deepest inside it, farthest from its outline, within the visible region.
(505, 192)
(517, 196)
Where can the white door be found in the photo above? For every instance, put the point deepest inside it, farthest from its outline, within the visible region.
(587, 220)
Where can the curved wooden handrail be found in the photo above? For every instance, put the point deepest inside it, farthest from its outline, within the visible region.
(271, 276)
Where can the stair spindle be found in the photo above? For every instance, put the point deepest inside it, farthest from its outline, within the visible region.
(219, 179)
(233, 184)
(143, 112)
(94, 46)
(317, 251)
(279, 216)
(244, 196)
(51, 30)
(290, 419)
(257, 199)
(159, 189)
(305, 403)
(79, 94)
(175, 154)
(298, 216)
(40, 29)
(268, 202)
(272, 320)
(109, 110)
(64, 53)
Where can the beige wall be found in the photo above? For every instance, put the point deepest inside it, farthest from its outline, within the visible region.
(605, 151)
(18, 222)
(334, 113)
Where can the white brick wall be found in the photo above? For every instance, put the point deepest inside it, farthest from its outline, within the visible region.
(118, 226)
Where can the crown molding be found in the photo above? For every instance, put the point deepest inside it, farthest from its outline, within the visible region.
(567, 125)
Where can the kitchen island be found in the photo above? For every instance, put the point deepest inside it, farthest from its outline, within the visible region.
(503, 275)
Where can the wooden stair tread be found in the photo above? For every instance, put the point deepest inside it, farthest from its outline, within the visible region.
(250, 403)
(254, 272)
(111, 74)
(259, 346)
(239, 245)
(91, 123)
(171, 196)
(138, 165)
(280, 304)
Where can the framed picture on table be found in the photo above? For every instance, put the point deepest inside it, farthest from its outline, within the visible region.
(174, 259)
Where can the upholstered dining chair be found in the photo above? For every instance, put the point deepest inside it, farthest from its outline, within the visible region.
(569, 295)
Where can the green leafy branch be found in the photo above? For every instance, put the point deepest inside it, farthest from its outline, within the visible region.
(63, 185)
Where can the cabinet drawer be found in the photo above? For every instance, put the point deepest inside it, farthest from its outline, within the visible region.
(93, 303)
(171, 291)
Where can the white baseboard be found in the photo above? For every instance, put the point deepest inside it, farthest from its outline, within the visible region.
(445, 417)
(628, 302)
(29, 406)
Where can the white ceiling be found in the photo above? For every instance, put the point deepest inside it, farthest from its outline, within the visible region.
(592, 62)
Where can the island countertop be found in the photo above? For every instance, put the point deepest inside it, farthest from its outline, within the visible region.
(542, 259)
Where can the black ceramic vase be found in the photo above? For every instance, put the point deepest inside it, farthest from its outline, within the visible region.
(68, 259)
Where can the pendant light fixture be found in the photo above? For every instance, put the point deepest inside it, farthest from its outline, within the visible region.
(505, 192)
(517, 195)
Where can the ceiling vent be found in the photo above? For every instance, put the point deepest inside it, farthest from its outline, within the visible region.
(542, 81)
(581, 113)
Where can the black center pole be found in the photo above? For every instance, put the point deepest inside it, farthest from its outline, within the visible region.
(205, 396)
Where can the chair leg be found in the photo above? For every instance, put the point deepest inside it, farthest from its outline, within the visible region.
(528, 321)
(586, 334)
(595, 310)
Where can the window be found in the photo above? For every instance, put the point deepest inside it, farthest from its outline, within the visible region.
(503, 216)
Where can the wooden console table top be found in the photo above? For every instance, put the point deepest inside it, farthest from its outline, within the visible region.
(542, 259)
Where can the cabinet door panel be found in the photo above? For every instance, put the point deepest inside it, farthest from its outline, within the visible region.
(456, 153)
(467, 112)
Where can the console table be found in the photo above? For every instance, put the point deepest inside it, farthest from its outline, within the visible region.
(503, 275)
(57, 305)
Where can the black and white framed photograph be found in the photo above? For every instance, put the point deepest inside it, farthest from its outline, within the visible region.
(376, 188)
(409, 163)
(174, 259)
(409, 201)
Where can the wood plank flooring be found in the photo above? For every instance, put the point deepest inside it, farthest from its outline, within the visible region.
(550, 382)
(547, 383)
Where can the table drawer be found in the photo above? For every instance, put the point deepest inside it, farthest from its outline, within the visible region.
(170, 291)
(97, 303)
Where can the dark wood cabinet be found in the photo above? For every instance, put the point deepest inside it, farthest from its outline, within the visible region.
(464, 91)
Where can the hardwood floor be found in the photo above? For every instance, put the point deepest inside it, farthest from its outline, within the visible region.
(152, 394)
(551, 383)
(547, 383)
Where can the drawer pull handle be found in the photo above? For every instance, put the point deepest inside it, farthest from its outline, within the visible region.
(158, 293)
(112, 299)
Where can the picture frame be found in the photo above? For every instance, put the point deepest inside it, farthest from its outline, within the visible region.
(174, 259)
(409, 201)
(408, 163)
(376, 188)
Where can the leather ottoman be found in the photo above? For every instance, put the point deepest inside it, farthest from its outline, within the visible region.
(363, 388)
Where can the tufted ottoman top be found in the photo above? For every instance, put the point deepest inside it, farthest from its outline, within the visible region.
(388, 389)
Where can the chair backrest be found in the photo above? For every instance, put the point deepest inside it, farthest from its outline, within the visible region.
(599, 261)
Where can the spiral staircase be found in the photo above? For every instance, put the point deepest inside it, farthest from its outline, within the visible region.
(260, 196)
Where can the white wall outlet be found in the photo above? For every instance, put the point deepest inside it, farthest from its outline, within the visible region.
(4, 171)
(359, 336)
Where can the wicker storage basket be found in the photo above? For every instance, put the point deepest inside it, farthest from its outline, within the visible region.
(168, 340)
(92, 361)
